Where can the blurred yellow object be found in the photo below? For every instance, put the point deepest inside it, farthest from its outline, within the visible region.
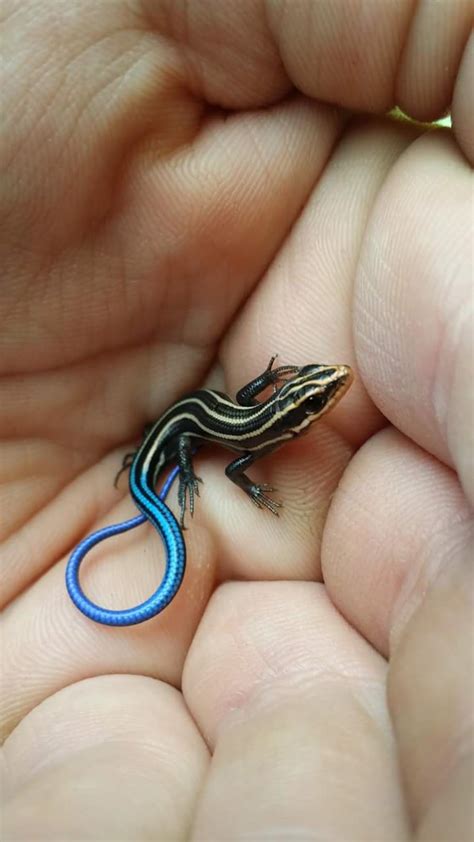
(400, 115)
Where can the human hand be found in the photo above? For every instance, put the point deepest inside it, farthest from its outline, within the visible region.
(174, 209)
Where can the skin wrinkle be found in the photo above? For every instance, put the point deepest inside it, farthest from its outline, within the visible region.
(127, 747)
(283, 662)
(402, 48)
(447, 601)
(423, 578)
(451, 335)
(58, 542)
(273, 691)
(384, 351)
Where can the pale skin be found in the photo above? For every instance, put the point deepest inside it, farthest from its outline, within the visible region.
(186, 192)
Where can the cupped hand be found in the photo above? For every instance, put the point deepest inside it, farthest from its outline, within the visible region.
(189, 188)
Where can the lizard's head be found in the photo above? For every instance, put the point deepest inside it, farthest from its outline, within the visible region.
(310, 393)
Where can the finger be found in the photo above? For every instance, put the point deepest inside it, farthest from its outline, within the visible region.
(431, 702)
(396, 520)
(413, 315)
(291, 701)
(49, 644)
(429, 62)
(325, 36)
(120, 751)
(411, 52)
(462, 111)
(397, 561)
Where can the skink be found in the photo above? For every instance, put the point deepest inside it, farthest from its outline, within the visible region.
(301, 395)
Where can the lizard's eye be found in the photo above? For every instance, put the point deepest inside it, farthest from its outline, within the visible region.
(315, 403)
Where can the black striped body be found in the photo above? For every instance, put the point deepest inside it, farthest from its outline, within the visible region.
(210, 416)
(300, 396)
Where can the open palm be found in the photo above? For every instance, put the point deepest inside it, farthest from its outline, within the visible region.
(182, 199)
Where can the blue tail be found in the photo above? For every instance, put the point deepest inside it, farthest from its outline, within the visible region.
(153, 509)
